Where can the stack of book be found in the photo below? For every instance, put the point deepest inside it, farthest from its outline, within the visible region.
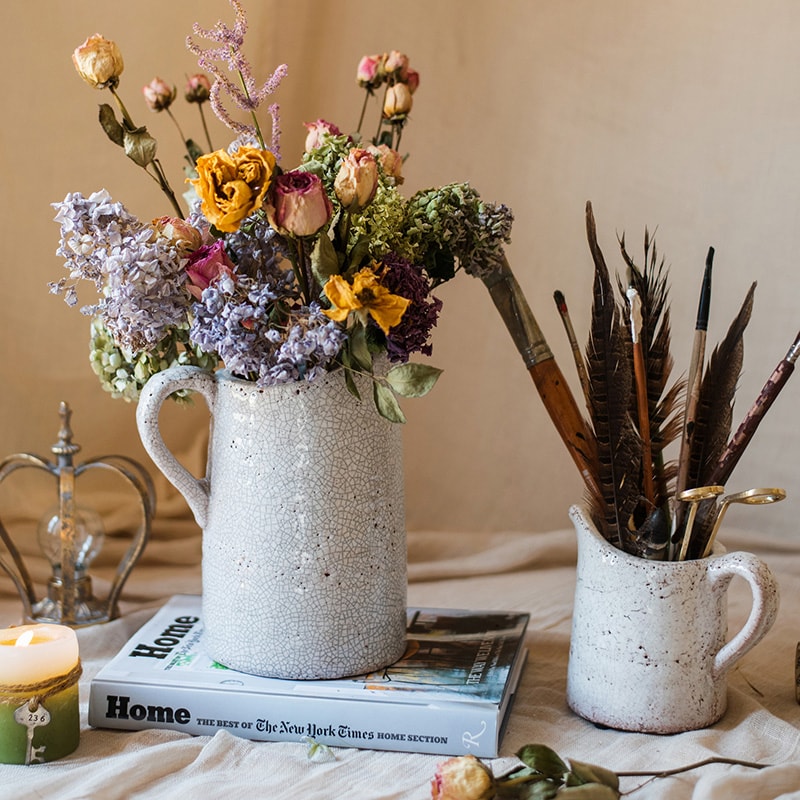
(450, 694)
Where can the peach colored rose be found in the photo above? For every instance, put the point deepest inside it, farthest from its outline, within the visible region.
(357, 180)
(98, 61)
(397, 102)
(462, 778)
(233, 186)
(390, 160)
(397, 65)
(316, 131)
(184, 236)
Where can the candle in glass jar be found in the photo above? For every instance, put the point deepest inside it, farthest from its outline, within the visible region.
(39, 712)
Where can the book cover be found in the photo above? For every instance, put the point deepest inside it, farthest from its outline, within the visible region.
(450, 693)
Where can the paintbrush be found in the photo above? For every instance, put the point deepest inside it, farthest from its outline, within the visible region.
(577, 356)
(695, 372)
(744, 433)
(510, 302)
(640, 384)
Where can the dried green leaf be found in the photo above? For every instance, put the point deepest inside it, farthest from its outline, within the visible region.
(591, 773)
(543, 759)
(324, 259)
(359, 348)
(387, 404)
(108, 122)
(412, 380)
(140, 146)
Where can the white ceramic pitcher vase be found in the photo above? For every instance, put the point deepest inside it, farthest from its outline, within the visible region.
(649, 650)
(302, 512)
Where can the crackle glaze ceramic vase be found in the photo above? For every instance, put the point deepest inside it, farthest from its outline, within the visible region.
(303, 519)
(649, 650)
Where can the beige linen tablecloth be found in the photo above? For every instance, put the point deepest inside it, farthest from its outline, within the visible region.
(518, 571)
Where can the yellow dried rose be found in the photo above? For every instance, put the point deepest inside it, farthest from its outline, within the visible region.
(233, 186)
(98, 61)
(366, 297)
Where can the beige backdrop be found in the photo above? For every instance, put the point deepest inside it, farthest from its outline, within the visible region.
(680, 116)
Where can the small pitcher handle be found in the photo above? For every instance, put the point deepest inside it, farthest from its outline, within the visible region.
(155, 392)
(765, 593)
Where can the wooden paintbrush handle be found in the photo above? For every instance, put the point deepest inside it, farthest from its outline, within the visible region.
(564, 412)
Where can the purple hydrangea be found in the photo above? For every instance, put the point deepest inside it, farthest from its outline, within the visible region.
(412, 335)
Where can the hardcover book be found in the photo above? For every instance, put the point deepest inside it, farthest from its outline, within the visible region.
(450, 694)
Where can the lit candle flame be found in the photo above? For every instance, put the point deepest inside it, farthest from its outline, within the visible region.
(24, 640)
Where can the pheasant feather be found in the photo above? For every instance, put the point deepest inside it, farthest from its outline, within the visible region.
(608, 360)
(714, 418)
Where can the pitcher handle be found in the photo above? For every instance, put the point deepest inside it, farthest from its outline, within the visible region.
(155, 392)
(765, 593)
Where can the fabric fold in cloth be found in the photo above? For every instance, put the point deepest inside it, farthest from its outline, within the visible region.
(513, 570)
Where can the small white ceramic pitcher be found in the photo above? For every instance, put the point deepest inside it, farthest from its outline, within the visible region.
(304, 542)
(648, 650)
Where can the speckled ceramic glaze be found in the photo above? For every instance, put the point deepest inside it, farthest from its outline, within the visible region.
(648, 650)
(304, 545)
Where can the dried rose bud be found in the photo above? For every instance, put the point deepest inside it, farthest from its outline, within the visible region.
(462, 778)
(412, 80)
(99, 62)
(370, 73)
(397, 65)
(397, 102)
(158, 94)
(317, 131)
(298, 204)
(357, 180)
(198, 88)
(206, 266)
(391, 162)
(184, 236)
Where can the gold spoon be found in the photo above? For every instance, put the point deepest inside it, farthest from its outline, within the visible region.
(695, 497)
(750, 497)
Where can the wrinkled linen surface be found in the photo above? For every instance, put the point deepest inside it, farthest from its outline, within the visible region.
(516, 571)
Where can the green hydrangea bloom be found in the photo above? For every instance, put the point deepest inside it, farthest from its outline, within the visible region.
(124, 374)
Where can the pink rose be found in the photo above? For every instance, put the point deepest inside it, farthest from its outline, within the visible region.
(357, 180)
(317, 131)
(370, 73)
(391, 162)
(397, 102)
(158, 94)
(412, 80)
(198, 88)
(298, 204)
(206, 266)
(397, 65)
(462, 778)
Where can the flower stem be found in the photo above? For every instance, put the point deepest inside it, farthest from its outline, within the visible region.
(257, 127)
(183, 138)
(367, 93)
(205, 127)
(124, 111)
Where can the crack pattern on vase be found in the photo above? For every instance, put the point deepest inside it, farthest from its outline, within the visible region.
(302, 510)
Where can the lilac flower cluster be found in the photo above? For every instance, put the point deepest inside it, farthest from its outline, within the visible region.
(237, 319)
(412, 335)
(138, 272)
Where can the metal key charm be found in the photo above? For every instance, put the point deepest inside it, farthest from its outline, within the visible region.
(32, 719)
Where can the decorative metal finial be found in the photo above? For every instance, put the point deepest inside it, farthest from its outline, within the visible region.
(70, 536)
